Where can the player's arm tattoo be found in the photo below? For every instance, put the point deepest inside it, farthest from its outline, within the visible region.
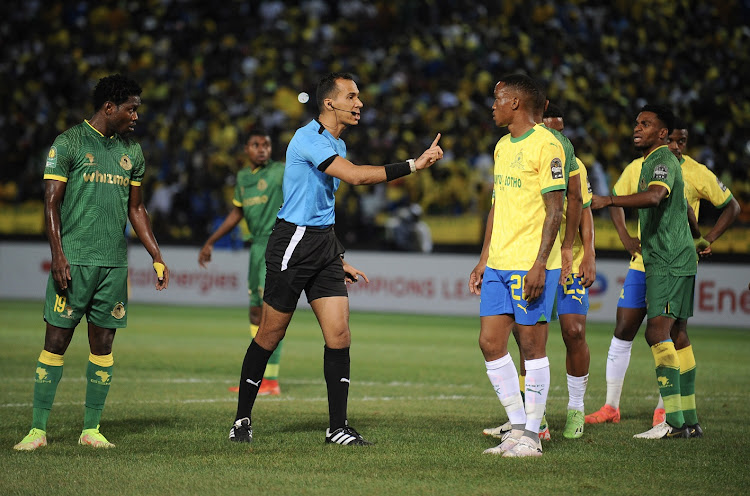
(553, 203)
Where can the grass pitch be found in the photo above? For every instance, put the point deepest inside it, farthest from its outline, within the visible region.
(419, 391)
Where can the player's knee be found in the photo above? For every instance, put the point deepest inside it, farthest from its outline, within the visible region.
(489, 347)
(574, 334)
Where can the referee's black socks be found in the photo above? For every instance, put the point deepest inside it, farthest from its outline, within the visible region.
(253, 367)
(336, 366)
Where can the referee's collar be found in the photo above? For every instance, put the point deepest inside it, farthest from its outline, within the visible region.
(321, 128)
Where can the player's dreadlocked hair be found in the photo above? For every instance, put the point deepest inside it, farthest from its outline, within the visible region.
(116, 89)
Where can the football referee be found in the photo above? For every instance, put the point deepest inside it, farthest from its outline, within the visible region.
(304, 254)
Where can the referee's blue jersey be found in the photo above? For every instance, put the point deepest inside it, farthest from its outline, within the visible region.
(308, 191)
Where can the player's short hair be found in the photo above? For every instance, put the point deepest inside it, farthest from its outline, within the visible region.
(116, 89)
(327, 86)
(553, 111)
(680, 124)
(257, 132)
(663, 113)
(530, 89)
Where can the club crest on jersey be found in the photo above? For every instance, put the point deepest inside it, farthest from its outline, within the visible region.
(51, 158)
(721, 185)
(661, 172)
(262, 185)
(119, 311)
(517, 162)
(557, 168)
(90, 158)
(642, 184)
(126, 163)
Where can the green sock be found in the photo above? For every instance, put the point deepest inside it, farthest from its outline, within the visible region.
(687, 384)
(272, 368)
(49, 370)
(668, 378)
(98, 379)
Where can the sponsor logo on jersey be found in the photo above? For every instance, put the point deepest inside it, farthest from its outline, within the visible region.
(661, 172)
(51, 158)
(126, 163)
(254, 200)
(721, 185)
(557, 168)
(119, 311)
(98, 177)
(90, 158)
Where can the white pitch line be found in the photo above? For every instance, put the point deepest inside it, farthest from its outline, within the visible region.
(263, 399)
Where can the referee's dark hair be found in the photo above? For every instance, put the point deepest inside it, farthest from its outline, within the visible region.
(663, 113)
(327, 86)
(116, 89)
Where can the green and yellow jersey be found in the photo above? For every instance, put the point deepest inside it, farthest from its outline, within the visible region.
(99, 172)
(586, 196)
(627, 184)
(571, 169)
(666, 241)
(702, 184)
(259, 194)
(525, 168)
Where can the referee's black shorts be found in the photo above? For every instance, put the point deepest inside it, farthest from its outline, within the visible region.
(302, 258)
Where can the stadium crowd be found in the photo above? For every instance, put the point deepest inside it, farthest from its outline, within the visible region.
(211, 72)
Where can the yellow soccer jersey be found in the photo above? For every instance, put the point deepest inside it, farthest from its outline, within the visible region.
(525, 168)
(702, 184)
(586, 196)
(627, 184)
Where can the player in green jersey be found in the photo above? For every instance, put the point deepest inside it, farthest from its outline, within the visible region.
(668, 257)
(257, 199)
(93, 180)
(700, 184)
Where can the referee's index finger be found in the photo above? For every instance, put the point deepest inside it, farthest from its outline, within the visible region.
(437, 138)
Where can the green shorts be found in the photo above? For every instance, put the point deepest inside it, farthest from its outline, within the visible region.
(100, 293)
(670, 296)
(256, 271)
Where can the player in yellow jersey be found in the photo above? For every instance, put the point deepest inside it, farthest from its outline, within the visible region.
(572, 292)
(573, 296)
(700, 183)
(516, 277)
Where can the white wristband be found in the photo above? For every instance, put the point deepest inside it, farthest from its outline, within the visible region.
(412, 165)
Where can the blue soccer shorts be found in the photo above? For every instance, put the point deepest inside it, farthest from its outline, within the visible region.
(572, 297)
(633, 293)
(502, 293)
